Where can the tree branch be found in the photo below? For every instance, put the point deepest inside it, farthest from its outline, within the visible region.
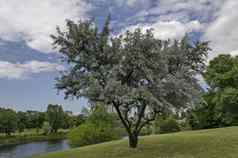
(116, 106)
(140, 116)
(147, 121)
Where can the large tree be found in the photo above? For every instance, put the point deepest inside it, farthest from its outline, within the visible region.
(222, 77)
(135, 73)
(8, 121)
(55, 115)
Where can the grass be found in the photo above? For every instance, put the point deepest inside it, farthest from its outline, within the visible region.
(212, 143)
(29, 136)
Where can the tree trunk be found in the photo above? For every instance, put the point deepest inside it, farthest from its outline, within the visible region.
(133, 140)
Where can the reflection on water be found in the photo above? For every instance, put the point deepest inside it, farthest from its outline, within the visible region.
(26, 150)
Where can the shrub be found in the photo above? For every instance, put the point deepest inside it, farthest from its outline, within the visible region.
(89, 133)
(205, 116)
(169, 125)
(147, 130)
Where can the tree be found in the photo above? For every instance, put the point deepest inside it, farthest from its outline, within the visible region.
(79, 119)
(205, 115)
(21, 121)
(8, 121)
(222, 77)
(55, 116)
(68, 121)
(34, 119)
(135, 73)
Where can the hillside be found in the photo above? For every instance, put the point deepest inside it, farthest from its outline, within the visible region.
(212, 143)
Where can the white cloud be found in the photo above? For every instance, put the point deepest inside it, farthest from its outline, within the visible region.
(22, 70)
(179, 10)
(131, 3)
(34, 20)
(169, 29)
(223, 32)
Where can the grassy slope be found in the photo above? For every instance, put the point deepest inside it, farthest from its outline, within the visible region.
(213, 143)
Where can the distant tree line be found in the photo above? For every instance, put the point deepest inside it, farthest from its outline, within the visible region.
(50, 121)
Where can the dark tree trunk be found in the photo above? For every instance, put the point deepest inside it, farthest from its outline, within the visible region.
(133, 140)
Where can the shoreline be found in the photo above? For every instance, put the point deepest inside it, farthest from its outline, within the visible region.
(23, 139)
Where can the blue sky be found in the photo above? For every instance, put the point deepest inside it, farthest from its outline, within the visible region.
(29, 65)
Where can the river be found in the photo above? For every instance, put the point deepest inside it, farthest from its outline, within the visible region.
(34, 148)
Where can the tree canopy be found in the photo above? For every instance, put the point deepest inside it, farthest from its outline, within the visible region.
(222, 77)
(8, 121)
(55, 116)
(136, 73)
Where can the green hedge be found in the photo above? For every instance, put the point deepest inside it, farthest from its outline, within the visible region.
(90, 133)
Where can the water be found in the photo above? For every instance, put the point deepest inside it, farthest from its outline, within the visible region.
(26, 150)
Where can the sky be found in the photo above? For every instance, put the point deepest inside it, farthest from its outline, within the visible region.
(29, 64)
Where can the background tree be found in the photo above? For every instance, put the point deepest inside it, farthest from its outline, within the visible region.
(55, 115)
(21, 121)
(222, 77)
(68, 121)
(8, 121)
(40, 119)
(135, 73)
(78, 119)
(35, 119)
(205, 115)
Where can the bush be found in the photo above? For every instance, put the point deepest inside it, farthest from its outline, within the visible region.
(147, 130)
(89, 133)
(169, 125)
(206, 116)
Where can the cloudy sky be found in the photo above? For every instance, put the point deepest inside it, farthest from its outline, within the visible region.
(29, 65)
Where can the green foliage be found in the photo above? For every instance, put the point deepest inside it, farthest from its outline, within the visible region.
(8, 121)
(89, 133)
(168, 125)
(146, 130)
(222, 72)
(46, 128)
(32, 119)
(99, 114)
(205, 116)
(136, 73)
(68, 121)
(21, 121)
(35, 120)
(55, 115)
(221, 103)
(101, 126)
(227, 101)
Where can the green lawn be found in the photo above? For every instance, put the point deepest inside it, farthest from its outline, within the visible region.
(213, 143)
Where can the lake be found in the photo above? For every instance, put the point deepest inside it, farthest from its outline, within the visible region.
(29, 149)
